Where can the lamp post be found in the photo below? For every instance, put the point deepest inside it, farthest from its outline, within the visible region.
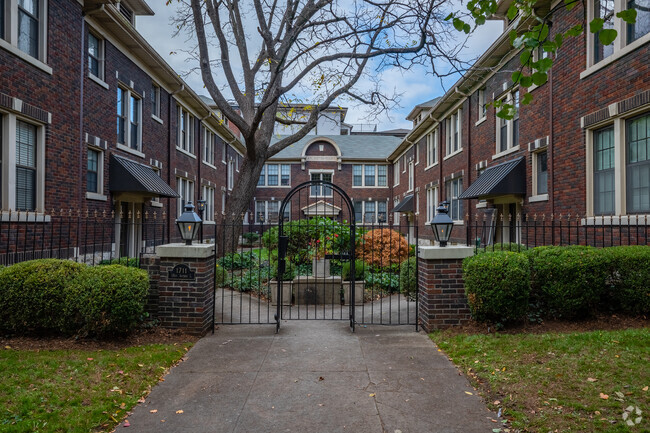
(189, 223)
(201, 208)
(442, 224)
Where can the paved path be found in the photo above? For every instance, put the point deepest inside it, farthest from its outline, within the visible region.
(314, 376)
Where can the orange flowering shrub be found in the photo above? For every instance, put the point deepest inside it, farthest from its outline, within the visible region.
(383, 247)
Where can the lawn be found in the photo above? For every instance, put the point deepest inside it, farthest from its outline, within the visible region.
(78, 390)
(553, 382)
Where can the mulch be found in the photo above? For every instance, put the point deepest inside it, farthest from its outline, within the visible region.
(154, 335)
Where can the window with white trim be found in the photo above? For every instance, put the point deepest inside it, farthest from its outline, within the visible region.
(185, 126)
(96, 56)
(223, 203)
(453, 132)
(432, 147)
(25, 166)
(95, 172)
(508, 129)
(155, 201)
(320, 190)
(129, 119)
(396, 173)
(540, 172)
(454, 190)
(266, 212)
(396, 215)
(369, 175)
(275, 175)
(416, 149)
(207, 194)
(185, 189)
(637, 168)
(370, 212)
(411, 176)
(482, 104)
(231, 174)
(23, 25)
(209, 139)
(29, 16)
(432, 202)
(155, 100)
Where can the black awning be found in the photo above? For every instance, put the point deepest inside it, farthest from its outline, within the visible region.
(502, 179)
(130, 176)
(405, 205)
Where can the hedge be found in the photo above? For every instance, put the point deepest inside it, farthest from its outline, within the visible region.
(630, 279)
(60, 296)
(497, 285)
(408, 278)
(360, 269)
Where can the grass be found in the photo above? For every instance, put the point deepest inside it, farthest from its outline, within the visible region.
(262, 253)
(75, 390)
(558, 382)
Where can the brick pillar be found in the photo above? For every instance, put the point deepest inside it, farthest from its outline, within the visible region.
(442, 301)
(185, 287)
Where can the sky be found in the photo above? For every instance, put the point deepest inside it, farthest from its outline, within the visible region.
(414, 85)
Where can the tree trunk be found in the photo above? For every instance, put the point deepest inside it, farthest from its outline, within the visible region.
(238, 204)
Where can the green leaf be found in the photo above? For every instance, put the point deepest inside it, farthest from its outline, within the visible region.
(596, 24)
(525, 56)
(519, 41)
(513, 10)
(513, 36)
(467, 28)
(480, 20)
(570, 4)
(526, 81)
(629, 16)
(458, 24)
(575, 30)
(559, 38)
(527, 99)
(516, 76)
(532, 42)
(607, 36)
(543, 65)
(549, 46)
(539, 78)
(450, 16)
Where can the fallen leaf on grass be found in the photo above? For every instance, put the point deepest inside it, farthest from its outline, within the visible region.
(604, 396)
(7, 347)
(89, 359)
(179, 411)
(496, 402)
(468, 393)
(645, 388)
(591, 379)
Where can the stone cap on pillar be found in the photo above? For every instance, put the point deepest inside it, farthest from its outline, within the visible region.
(449, 252)
(183, 251)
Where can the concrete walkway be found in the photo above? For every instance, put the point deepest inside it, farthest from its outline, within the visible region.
(314, 376)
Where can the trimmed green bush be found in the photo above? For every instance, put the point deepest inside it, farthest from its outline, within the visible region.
(360, 269)
(106, 300)
(497, 285)
(124, 261)
(289, 271)
(569, 281)
(408, 278)
(630, 278)
(234, 261)
(511, 246)
(32, 295)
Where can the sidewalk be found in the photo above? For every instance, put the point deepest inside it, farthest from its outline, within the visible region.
(314, 376)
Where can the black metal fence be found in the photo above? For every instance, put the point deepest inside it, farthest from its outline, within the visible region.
(489, 232)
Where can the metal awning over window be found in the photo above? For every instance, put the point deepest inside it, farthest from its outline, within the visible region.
(405, 205)
(503, 179)
(130, 176)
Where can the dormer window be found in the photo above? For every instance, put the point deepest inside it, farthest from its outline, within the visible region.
(126, 12)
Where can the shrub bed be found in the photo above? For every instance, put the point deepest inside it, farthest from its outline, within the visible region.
(61, 296)
(408, 278)
(630, 279)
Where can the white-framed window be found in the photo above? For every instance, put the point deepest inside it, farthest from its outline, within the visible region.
(637, 164)
(369, 175)
(208, 195)
(370, 212)
(267, 212)
(224, 150)
(155, 100)
(416, 149)
(129, 119)
(185, 189)
(95, 173)
(185, 126)
(432, 202)
(453, 132)
(411, 176)
(23, 28)
(155, 201)
(223, 203)
(321, 190)
(482, 104)
(209, 139)
(628, 34)
(96, 56)
(26, 166)
(508, 129)
(275, 175)
(432, 147)
(396, 173)
(231, 174)
(396, 215)
(540, 172)
(454, 190)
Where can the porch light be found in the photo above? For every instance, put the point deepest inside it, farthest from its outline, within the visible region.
(442, 224)
(189, 223)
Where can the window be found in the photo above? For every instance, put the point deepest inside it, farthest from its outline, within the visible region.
(642, 26)
(396, 215)
(508, 129)
(23, 30)
(482, 104)
(96, 56)
(267, 212)
(155, 100)
(541, 172)
(223, 204)
(92, 173)
(454, 190)
(638, 164)
(185, 189)
(223, 153)
(358, 211)
(382, 175)
(432, 202)
(185, 131)
(396, 173)
(417, 153)
(604, 155)
(129, 117)
(2, 19)
(321, 190)
(275, 175)
(231, 174)
(25, 166)
(208, 196)
(369, 214)
(209, 139)
(369, 175)
(411, 176)
(432, 147)
(28, 27)
(453, 129)
(357, 177)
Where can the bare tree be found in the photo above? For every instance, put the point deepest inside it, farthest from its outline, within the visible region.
(273, 53)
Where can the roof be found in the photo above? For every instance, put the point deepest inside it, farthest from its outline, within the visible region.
(131, 176)
(405, 205)
(503, 179)
(352, 146)
(419, 107)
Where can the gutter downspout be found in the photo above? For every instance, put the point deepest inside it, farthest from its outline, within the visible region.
(469, 164)
(550, 143)
(169, 156)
